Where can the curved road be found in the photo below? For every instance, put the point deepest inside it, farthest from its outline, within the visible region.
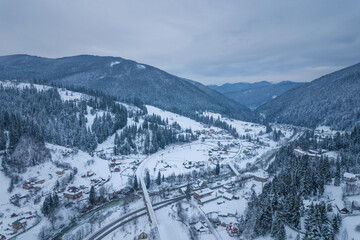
(129, 217)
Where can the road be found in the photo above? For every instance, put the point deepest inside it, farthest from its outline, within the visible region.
(129, 217)
(148, 205)
(211, 227)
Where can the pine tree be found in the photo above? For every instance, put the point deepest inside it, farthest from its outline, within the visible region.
(136, 184)
(55, 199)
(188, 192)
(92, 195)
(278, 229)
(217, 169)
(337, 174)
(158, 179)
(147, 179)
(335, 224)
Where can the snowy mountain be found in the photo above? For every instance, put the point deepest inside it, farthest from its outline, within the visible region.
(120, 78)
(332, 100)
(254, 94)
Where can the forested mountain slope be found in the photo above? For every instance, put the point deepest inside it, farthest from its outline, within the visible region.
(120, 78)
(255, 94)
(332, 100)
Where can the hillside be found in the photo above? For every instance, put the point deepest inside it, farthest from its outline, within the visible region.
(254, 94)
(121, 78)
(331, 100)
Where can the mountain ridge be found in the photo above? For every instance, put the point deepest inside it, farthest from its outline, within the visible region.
(121, 78)
(330, 100)
(254, 94)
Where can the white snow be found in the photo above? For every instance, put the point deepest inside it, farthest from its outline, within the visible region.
(114, 63)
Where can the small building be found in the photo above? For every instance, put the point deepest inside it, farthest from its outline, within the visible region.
(207, 199)
(349, 177)
(2, 237)
(202, 193)
(228, 196)
(143, 236)
(60, 173)
(18, 224)
(344, 211)
(199, 227)
(29, 185)
(73, 193)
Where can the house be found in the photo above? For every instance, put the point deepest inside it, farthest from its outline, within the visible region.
(73, 193)
(18, 224)
(199, 227)
(40, 181)
(90, 173)
(228, 196)
(142, 236)
(2, 237)
(60, 173)
(232, 230)
(349, 177)
(207, 199)
(202, 193)
(29, 185)
(344, 211)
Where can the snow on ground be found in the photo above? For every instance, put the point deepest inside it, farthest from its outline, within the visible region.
(5, 182)
(169, 225)
(242, 127)
(352, 226)
(22, 85)
(184, 122)
(171, 160)
(114, 63)
(334, 194)
(131, 230)
(130, 108)
(140, 66)
(67, 95)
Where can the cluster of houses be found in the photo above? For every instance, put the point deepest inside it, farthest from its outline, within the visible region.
(88, 174)
(22, 220)
(114, 165)
(97, 182)
(33, 184)
(68, 152)
(204, 195)
(190, 164)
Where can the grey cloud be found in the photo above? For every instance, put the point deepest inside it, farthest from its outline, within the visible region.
(209, 41)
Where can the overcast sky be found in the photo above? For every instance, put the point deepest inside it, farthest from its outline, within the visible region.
(212, 42)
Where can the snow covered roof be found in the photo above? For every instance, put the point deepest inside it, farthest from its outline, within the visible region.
(349, 175)
(204, 191)
(208, 198)
(198, 226)
(228, 195)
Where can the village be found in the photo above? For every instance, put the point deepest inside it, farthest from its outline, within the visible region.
(218, 199)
